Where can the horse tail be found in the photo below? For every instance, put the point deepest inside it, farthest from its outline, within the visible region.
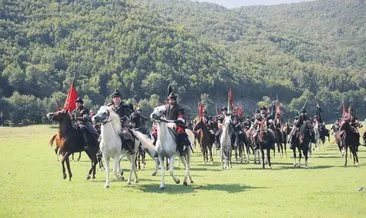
(50, 143)
(146, 143)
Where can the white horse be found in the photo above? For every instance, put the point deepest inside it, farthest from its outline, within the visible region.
(317, 134)
(167, 147)
(225, 142)
(111, 144)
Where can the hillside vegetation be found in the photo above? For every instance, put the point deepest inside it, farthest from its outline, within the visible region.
(314, 50)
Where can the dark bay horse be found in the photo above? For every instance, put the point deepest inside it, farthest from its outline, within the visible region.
(205, 139)
(301, 140)
(350, 139)
(266, 141)
(71, 140)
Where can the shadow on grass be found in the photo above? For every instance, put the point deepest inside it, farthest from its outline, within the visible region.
(180, 189)
(328, 156)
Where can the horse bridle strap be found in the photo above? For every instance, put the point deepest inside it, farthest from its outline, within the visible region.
(107, 121)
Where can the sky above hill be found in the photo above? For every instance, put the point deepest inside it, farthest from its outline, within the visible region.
(239, 3)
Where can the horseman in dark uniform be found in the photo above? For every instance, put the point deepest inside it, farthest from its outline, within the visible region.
(138, 121)
(83, 121)
(124, 111)
(175, 113)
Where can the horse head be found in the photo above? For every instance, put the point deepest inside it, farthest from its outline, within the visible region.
(58, 115)
(102, 115)
(158, 112)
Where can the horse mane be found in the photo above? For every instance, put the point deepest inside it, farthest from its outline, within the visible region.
(115, 120)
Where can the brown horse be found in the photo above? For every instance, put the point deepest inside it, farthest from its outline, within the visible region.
(285, 131)
(350, 139)
(70, 140)
(266, 141)
(205, 139)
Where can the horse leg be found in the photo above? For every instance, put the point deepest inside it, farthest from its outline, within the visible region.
(63, 159)
(132, 169)
(143, 157)
(269, 157)
(68, 167)
(262, 153)
(306, 158)
(79, 156)
(93, 157)
(106, 159)
(204, 153)
(222, 157)
(300, 156)
(161, 160)
(294, 150)
(241, 153)
(188, 158)
(171, 168)
(116, 168)
(156, 166)
(210, 150)
(184, 161)
(346, 156)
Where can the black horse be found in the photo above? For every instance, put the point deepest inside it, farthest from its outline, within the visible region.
(301, 140)
(71, 140)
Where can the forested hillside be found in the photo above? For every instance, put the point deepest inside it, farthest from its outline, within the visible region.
(139, 47)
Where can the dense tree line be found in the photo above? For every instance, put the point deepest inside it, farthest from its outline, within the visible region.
(139, 47)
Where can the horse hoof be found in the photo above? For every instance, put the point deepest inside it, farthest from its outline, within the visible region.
(122, 178)
(185, 183)
(154, 173)
(88, 177)
(191, 181)
(162, 187)
(106, 186)
(128, 183)
(177, 182)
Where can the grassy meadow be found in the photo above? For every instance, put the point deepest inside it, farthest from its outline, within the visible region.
(31, 185)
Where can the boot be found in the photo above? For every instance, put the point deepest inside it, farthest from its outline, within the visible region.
(85, 138)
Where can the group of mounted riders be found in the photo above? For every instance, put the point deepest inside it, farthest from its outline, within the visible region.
(244, 128)
(131, 119)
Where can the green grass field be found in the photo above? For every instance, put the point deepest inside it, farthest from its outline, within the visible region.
(31, 185)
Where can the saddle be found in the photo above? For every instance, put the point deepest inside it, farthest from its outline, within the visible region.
(126, 134)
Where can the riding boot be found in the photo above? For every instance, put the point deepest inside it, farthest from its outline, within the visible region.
(85, 138)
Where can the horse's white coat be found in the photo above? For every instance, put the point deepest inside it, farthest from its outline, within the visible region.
(167, 148)
(225, 143)
(111, 144)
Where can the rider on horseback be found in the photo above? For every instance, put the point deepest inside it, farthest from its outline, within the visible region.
(175, 113)
(124, 111)
(138, 121)
(83, 121)
(220, 118)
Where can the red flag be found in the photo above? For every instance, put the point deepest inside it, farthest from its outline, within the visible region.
(230, 102)
(72, 95)
(201, 109)
(239, 111)
(278, 109)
